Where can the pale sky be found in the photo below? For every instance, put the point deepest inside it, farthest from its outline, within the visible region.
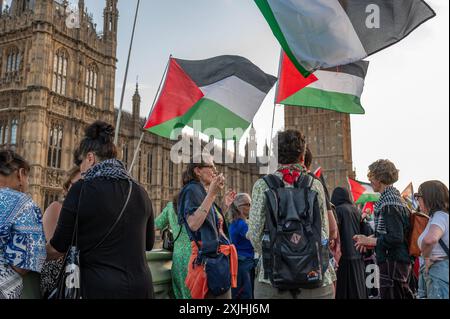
(406, 97)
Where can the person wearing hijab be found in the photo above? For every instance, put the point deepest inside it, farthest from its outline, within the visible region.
(351, 282)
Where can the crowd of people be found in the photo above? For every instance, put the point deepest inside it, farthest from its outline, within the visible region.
(289, 239)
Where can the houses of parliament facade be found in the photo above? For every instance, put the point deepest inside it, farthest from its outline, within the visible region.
(55, 80)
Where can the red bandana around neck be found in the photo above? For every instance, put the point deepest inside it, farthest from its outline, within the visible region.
(290, 174)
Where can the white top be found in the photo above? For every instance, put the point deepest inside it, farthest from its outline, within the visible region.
(439, 219)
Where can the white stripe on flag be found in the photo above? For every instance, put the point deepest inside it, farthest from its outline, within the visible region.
(238, 96)
(338, 82)
(319, 32)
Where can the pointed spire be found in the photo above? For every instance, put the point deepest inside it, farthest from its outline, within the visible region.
(137, 102)
(110, 18)
(81, 8)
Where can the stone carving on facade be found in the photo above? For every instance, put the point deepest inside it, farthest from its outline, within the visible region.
(54, 178)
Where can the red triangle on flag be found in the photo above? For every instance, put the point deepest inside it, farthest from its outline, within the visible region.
(318, 172)
(291, 80)
(179, 95)
(356, 188)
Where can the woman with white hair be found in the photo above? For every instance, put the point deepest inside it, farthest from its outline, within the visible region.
(239, 212)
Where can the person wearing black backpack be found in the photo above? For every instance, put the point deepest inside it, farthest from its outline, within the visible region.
(288, 227)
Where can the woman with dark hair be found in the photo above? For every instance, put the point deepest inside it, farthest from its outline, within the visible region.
(239, 212)
(52, 268)
(22, 240)
(351, 282)
(392, 227)
(213, 264)
(181, 250)
(115, 222)
(433, 198)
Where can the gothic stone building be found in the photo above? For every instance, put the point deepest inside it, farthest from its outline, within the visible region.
(328, 135)
(55, 79)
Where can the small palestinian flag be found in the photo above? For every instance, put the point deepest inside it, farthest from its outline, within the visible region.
(222, 92)
(362, 192)
(337, 89)
(408, 196)
(319, 34)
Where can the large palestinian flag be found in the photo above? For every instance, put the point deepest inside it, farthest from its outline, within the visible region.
(319, 34)
(222, 92)
(338, 89)
(362, 192)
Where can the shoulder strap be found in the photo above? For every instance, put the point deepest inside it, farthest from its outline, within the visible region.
(179, 233)
(273, 182)
(116, 222)
(444, 246)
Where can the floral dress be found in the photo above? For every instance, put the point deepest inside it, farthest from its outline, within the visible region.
(181, 253)
(22, 241)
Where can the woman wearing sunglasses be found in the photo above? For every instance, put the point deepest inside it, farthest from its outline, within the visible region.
(213, 264)
(433, 198)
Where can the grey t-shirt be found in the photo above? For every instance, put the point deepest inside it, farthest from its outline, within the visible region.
(439, 219)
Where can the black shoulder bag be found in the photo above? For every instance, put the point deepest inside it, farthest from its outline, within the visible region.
(68, 283)
(168, 241)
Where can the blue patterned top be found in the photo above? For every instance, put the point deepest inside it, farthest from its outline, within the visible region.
(22, 240)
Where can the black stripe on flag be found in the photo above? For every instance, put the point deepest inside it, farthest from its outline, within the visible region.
(358, 69)
(398, 18)
(210, 71)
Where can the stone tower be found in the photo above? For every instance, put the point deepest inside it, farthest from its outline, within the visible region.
(328, 135)
(57, 74)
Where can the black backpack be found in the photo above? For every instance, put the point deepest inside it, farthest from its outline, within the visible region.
(294, 256)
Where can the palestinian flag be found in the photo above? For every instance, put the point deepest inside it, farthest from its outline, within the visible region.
(362, 192)
(408, 196)
(290, 81)
(222, 92)
(320, 34)
(337, 89)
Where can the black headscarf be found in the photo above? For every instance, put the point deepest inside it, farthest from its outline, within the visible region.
(341, 196)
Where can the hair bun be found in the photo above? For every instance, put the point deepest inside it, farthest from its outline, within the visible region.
(5, 158)
(100, 131)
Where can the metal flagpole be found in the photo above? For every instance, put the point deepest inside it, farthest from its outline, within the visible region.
(151, 111)
(119, 115)
(274, 110)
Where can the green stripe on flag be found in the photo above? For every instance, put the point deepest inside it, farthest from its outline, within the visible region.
(210, 113)
(368, 198)
(315, 98)
(214, 115)
(266, 10)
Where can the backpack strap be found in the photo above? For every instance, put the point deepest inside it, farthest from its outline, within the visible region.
(273, 182)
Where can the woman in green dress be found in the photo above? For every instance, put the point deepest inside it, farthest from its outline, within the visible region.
(181, 252)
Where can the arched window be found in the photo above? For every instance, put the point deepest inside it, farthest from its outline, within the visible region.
(14, 129)
(2, 132)
(13, 60)
(125, 155)
(149, 167)
(55, 146)
(171, 174)
(90, 94)
(60, 63)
